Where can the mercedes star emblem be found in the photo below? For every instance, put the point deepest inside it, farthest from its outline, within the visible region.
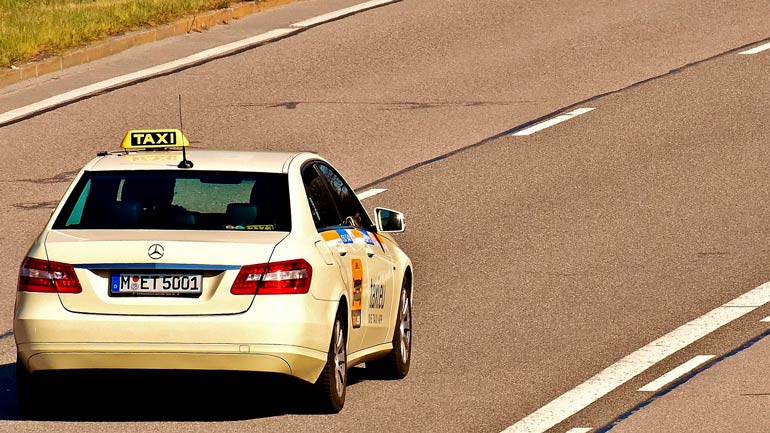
(155, 251)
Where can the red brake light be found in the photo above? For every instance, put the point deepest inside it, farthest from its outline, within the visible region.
(50, 277)
(281, 278)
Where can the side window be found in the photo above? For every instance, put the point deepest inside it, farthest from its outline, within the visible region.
(318, 197)
(347, 202)
(77, 212)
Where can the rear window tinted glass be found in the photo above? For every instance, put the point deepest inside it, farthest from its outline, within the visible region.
(178, 200)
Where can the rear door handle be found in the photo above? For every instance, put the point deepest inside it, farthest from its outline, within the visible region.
(342, 251)
(369, 252)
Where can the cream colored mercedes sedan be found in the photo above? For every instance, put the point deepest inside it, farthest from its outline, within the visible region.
(164, 257)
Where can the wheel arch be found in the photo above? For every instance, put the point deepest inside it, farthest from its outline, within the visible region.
(408, 277)
(344, 308)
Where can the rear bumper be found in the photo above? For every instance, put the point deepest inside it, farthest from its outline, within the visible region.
(305, 364)
(284, 334)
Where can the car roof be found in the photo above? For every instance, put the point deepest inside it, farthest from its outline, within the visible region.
(203, 159)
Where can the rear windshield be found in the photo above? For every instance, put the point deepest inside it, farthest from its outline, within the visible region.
(178, 200)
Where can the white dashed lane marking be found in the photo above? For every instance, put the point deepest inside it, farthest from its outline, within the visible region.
(370, 193)
(580, 430)
(758, 49)
(551, 122)
(675, 374)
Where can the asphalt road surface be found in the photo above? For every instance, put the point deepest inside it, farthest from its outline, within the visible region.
(540, 260)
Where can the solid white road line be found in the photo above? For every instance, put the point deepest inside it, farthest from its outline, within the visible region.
(637, 362)
(758, 49)
(186, 62)
(370, 192)
(766, 319)
(331, 16)
(556, 120)
(674, 374)
(580, 430)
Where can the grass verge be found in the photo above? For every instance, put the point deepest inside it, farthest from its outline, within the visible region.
(33, 29)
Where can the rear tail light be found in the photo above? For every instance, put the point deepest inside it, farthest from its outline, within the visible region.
(281, 278)
(50, 277)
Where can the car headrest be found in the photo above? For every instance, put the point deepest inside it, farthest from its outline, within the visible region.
(241, 214)
(129, 213)
(149, 192)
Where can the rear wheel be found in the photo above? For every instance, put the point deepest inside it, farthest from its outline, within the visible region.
(330, 385)
(395, 365)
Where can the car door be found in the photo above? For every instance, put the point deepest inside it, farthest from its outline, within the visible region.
(378, 294)
(349, 255)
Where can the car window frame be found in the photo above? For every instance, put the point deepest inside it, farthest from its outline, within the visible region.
(312, 165)
(62, 218)
(367, 224)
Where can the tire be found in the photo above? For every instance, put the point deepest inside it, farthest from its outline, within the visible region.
(332, 382)
(395, 365)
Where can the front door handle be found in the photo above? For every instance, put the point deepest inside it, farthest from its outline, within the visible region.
(369, 252)
(342, 251)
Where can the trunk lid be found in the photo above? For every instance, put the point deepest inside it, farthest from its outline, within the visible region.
(100, 257)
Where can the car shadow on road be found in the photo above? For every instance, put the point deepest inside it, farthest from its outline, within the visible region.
(135, 395)
(9, 408)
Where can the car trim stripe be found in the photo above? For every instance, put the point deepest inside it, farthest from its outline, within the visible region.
(131, 266)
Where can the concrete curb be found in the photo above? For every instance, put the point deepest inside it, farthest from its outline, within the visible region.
(116, 44)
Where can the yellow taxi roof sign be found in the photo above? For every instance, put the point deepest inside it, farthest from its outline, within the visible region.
(154, 139)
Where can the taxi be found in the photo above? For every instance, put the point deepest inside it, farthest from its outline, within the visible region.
(163, 258)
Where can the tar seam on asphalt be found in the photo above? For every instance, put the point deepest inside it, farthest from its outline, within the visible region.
(554, 113)
(6, 334)
(681, 381)
(65, 176)
(36, 205)
(386, 105)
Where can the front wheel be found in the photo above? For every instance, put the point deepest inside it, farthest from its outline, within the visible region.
(330, 385)
(395, 365)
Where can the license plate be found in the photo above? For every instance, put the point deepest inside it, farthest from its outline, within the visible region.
(157, 284)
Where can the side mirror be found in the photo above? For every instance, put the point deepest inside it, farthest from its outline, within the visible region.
(389, 221)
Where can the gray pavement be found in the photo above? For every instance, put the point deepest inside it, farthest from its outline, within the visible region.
(539, 260)
(610, 227)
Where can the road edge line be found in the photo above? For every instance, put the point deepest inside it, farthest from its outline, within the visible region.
(31, 110)
(100, 49)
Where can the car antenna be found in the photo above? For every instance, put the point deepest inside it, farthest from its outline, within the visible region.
(185, 163)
